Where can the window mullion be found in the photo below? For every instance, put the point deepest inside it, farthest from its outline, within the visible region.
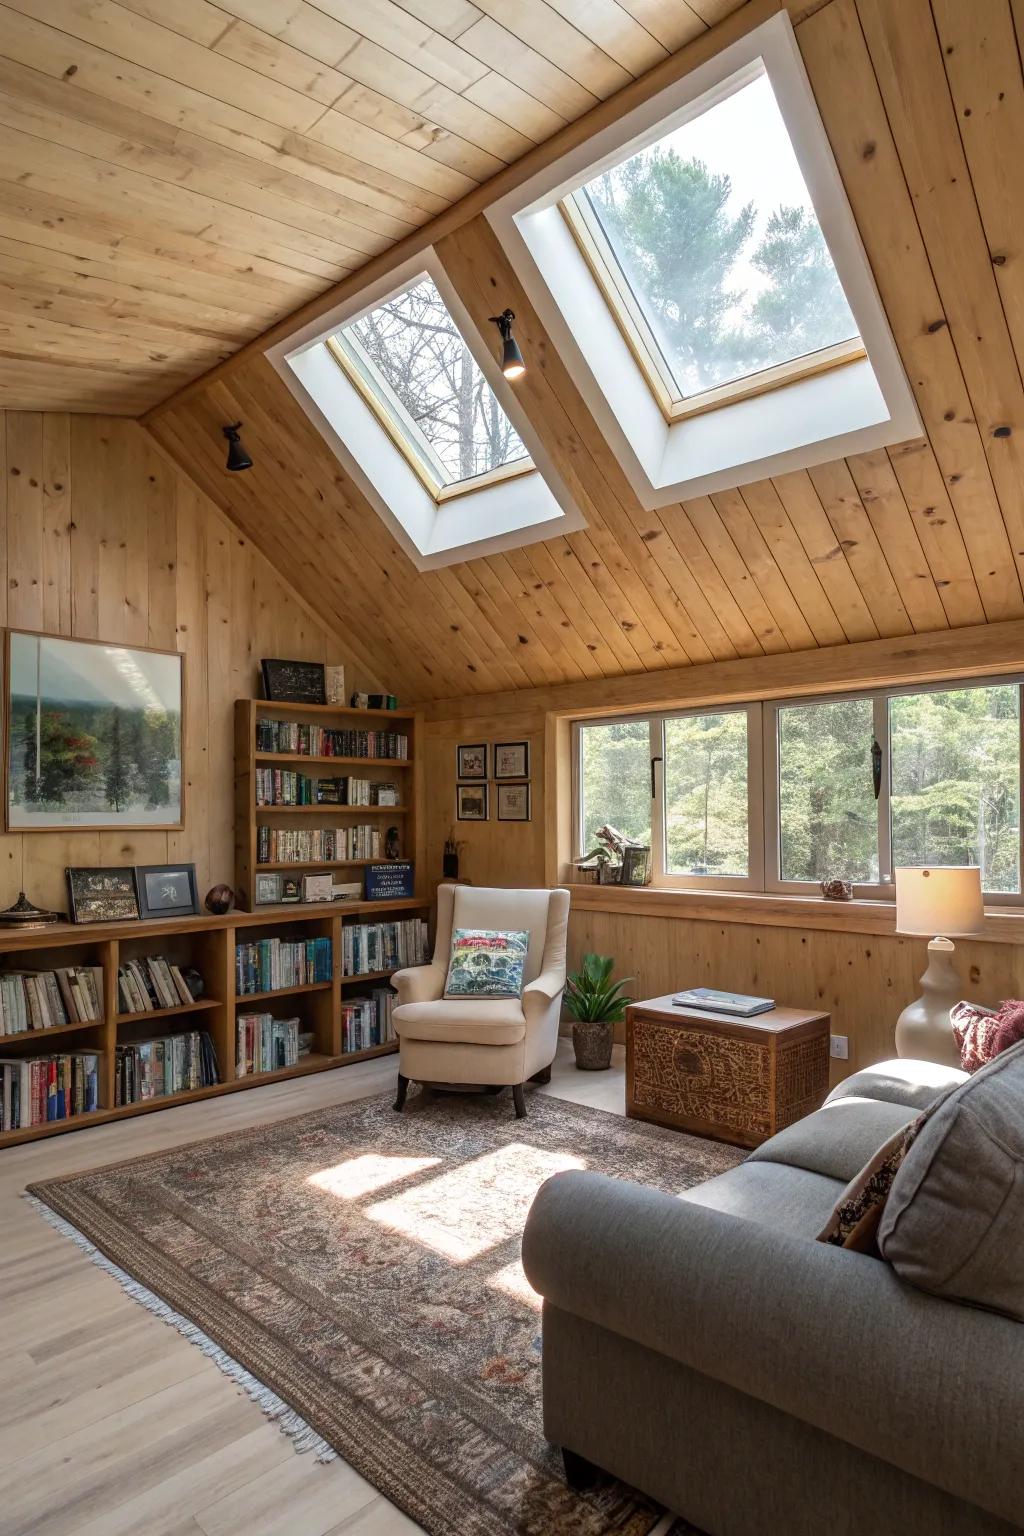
(657, 748)
(880, 716)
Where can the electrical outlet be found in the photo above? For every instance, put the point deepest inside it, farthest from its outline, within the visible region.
(839, 1047)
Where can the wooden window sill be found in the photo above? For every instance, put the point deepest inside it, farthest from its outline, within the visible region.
(1003, 925)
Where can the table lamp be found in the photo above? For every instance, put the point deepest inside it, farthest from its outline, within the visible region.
(936, 902)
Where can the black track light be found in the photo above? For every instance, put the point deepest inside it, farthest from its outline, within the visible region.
(237, 456)
(512, 365)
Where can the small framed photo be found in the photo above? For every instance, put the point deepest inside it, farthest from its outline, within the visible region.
(291, 888)
(513, 802)
(102, 895)
(166, 890)
(636, 866)
(471, 762)
(471, 802)
(268, 890)
(511, 759)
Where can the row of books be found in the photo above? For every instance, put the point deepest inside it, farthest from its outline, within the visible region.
(383, 946)
(152, 1069)
(366, 1021)
(317, 845)
(151, 982)
(266, 1044)
(47, 999)
(38, 1089)
(267, 965)
(280, 786)
(321, 741)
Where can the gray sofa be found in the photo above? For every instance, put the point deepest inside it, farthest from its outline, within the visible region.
(705, 1349)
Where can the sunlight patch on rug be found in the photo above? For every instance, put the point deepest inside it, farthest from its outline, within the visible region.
(365, 1175)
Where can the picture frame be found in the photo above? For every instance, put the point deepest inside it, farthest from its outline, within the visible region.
(636, 866)
(471, 761)
(293, 682)
(102, 895)
(511, 760)
(291, 888)
(471, 802)
(514, 802)
(268, 890)
(94, 735)
(166, 890)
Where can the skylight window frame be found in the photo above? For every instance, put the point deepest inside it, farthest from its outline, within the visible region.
(597, 252)
(404, 433)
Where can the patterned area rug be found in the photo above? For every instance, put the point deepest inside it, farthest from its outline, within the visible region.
(365, 1267)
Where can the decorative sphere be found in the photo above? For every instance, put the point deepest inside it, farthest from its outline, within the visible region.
(220, 899)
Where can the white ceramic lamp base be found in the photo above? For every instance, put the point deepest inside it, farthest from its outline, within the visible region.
(923, 1030)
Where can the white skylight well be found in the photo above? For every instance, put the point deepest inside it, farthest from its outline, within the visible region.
(413, 403)
(698, 266)
(408, 357)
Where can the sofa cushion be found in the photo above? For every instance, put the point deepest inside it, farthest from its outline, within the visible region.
(784, 1199)
(914, 1083)
(489, 1021)
(858, 1212)
(954, 1222)
(838, 1139)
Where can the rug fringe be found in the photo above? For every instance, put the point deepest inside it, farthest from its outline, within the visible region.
(302, 1435)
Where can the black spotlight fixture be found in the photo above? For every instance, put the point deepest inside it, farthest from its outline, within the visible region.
(237, 456)
(512, 365)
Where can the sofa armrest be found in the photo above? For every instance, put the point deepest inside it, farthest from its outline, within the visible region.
(539, 994)
(419, 984)
(831, 1337)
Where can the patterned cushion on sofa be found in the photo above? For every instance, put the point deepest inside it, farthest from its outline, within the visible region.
(982, 1033)
(486, 962)
(858, 1211)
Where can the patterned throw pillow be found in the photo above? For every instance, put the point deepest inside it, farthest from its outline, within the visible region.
(857, 1213)
(983, 1033)
(486, 963)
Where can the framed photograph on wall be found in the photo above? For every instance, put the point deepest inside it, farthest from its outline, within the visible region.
(94, 735)
(102, 895)
(167, 890)
(513, 802)
(471, 761)
(511, 759)
(471, 802)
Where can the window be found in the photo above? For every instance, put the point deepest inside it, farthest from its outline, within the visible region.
(708, 250)
(781, 795)
(426, 388)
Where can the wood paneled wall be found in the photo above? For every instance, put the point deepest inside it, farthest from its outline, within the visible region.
(102, 537)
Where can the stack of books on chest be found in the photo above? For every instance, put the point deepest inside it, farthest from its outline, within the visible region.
(39, 1089)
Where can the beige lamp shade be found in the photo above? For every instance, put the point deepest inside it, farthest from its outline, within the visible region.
(942, 901)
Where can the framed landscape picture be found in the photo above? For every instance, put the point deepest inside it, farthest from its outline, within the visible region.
(94, 735)
(471, 802)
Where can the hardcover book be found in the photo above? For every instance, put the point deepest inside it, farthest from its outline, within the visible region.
(738, 1004)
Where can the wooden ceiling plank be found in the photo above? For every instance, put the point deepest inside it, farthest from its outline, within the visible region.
(908, 65)
(394, 159)
(495, 46)
(555, 566)
(534, 23)
(706, 635)
(746, 536)
(702, 515)
(612, 28)
(837, 59)
(852, 527)
(417, 131)
(516, 631)
(826, 554)
(508, 100)
(30, 385)
(609, 571)
(449, 17)
(464, 617)
(543, 598)
(198, 20)
(741, 638)
(672, 23)
(924, 491)
(782, 539)
(277, 60)
(401, 33)
(889, 516)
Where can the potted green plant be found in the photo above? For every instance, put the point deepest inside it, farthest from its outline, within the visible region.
(596, 1004)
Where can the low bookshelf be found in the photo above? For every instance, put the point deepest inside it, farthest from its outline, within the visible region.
(209, 945)
(279, 761)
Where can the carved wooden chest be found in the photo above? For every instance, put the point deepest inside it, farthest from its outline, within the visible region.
(738, 1080)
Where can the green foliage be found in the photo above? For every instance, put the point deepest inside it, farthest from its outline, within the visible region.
(590, 994)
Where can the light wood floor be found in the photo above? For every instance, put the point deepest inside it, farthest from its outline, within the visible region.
(110, 1423)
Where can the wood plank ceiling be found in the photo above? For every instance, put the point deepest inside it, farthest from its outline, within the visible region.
(924, 106)
(177, 175)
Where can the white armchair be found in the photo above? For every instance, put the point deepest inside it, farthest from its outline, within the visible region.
(499, 1042)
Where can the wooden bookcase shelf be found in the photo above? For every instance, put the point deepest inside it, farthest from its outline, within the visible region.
(208, 942)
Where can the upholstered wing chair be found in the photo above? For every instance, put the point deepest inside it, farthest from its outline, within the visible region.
(490, 1042)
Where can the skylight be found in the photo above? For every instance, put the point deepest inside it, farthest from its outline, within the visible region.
(707, 247)
(408, 358)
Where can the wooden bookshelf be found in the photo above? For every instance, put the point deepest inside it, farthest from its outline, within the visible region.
(207, 943)
(400, 772)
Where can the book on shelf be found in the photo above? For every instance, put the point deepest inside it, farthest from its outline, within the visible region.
(36, 1090)
(324, 741)
(265, 1044)
(34, 1000)
(267, 965)
(737, 1004)
(282, 786)
(366, 1021)
(383, 946)
(317, 845)
(152, 1069)
(151, 982)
